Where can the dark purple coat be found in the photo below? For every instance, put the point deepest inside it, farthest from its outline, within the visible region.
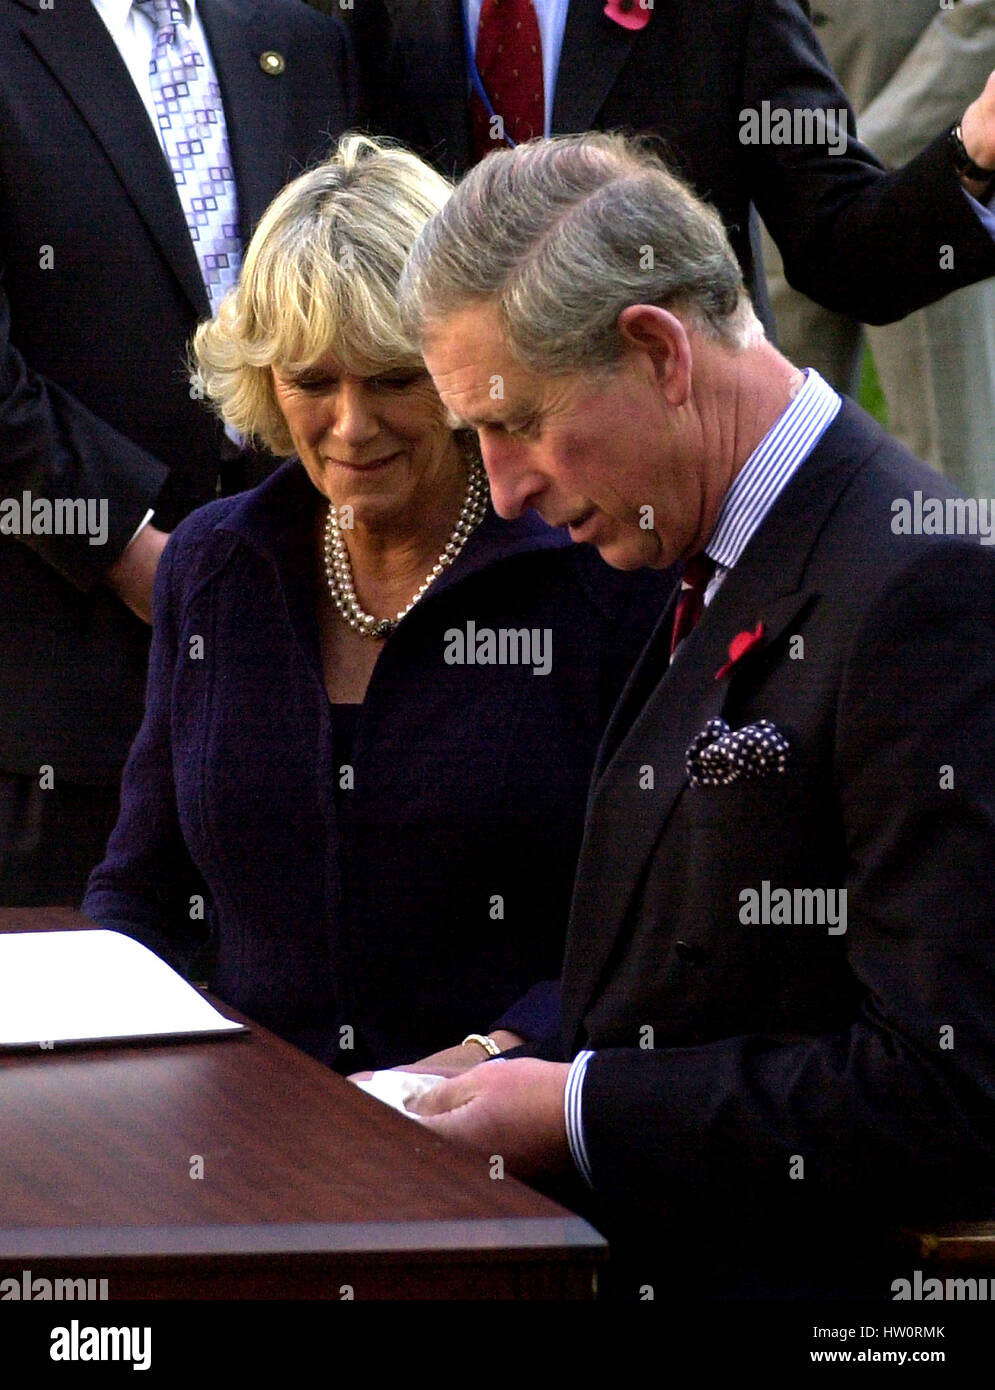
(422, 903)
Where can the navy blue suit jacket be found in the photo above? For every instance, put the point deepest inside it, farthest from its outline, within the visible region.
(94, 397)
(767, 1099)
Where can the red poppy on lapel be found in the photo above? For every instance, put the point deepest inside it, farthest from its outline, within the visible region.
(742, 643)
(631, 14)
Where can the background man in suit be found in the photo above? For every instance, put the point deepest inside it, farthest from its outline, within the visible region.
(109, 260)
(707, 76)
(779, 982)
(910, 70)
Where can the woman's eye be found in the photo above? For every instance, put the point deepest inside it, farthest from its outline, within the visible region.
(399, 382)
(315, 384)
(321, 385)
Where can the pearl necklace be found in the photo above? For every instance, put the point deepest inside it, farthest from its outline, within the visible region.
(338, 570)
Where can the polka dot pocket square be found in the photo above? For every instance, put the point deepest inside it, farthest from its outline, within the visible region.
(719, 756)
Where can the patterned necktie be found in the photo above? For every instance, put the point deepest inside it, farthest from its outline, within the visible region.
(192, 123)
(509, 61)
(691, 601)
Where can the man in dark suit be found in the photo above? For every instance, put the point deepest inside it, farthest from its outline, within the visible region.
(709, 77)
(101, 288)
(779, 982)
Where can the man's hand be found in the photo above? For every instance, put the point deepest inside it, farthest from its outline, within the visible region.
(132, 574)
(978, 132)
(452, 1061)
(514, 1109)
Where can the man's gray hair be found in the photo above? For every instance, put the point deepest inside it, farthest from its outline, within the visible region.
(563, 235)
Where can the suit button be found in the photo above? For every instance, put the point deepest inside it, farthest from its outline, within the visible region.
(689, 954)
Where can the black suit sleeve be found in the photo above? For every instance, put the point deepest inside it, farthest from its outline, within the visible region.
(895, 1109)
(52, 446)
(874, 247)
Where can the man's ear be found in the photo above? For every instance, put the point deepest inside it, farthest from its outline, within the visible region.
(656, 332)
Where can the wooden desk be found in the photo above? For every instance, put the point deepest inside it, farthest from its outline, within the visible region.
(958, 1249)
(310, 1188)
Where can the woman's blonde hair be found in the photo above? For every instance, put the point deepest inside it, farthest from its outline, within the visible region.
(320, 275)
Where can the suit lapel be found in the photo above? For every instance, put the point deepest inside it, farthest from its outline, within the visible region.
(664, 706)
(594, 49)
(101, 89)
(255, 102)
(644, 677)
(625, 816)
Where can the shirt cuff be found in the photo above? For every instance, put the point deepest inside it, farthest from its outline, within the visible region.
(142, 524)
(572, 1109)
(985, 211)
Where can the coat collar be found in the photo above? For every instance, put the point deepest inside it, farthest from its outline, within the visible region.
(256, 102)
(594, 49)
(664, 706)
(768, 583)
(277, 518)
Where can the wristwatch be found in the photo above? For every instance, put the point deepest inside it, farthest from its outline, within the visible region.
(964, 165)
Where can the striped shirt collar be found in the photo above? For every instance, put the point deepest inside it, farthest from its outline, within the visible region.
(769, 469)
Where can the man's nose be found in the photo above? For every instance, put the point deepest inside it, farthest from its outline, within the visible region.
(355, 419)
(514, 486)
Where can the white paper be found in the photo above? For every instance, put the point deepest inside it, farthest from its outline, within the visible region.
(85, 986)
(395, 1087)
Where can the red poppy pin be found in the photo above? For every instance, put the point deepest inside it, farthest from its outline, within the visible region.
(742, 643)
(631, 14)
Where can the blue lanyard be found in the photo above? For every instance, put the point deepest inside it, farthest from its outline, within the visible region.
(475, 79)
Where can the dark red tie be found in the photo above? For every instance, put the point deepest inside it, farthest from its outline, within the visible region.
(691, 601)
(509, 61)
